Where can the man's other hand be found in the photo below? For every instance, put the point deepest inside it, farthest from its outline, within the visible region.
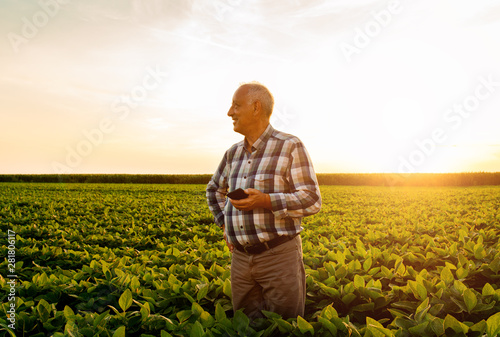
(229, 245)
(255, 199)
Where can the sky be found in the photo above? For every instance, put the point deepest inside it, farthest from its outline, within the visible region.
(144, 86)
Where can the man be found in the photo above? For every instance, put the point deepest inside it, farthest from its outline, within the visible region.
(262, 230)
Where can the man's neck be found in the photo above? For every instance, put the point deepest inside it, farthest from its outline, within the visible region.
(252, 137)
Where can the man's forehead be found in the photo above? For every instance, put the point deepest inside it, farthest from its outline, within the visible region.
(240, 94)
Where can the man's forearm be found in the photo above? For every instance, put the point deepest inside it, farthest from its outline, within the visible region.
(255, 199)
(296, 204)
(266, 202)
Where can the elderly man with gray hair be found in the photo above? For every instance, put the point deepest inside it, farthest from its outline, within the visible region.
(275, 186)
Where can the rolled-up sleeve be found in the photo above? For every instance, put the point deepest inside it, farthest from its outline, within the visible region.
(305, 197)
(216, 192)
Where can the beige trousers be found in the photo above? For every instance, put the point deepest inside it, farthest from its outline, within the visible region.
(272, 281)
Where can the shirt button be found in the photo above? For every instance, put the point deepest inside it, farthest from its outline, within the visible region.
(244, 177)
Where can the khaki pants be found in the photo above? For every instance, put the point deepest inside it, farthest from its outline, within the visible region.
(272, 281)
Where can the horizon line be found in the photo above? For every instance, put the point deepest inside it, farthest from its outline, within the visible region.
(317, 173)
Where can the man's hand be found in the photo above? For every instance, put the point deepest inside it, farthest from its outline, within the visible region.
(229, 245)
(256, 199)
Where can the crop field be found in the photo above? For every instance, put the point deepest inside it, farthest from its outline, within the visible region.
(147, 260)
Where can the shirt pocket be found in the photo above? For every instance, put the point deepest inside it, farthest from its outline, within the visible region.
(264, 182)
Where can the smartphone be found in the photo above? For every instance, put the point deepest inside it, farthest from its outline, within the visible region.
(237, 194)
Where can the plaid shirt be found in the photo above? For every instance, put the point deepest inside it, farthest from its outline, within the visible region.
(278, 165)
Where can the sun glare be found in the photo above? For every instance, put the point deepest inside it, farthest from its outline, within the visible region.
(403, 118)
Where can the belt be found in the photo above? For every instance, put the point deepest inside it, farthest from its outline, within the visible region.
(263, 246)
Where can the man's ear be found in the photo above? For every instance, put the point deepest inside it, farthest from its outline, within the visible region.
(257, 107)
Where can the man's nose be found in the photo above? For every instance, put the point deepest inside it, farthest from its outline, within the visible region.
(230, 112)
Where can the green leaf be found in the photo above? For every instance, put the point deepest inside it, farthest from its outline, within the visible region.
(145, 311)
(135, 283)
(183, 315)
(422, 310)
(304, 325)
(71, 329)
(377, 329)
(400, 267)
(220, 314)
(341, 272)
(437, 325)
(493, 325)
(403, 323)
(202, 292)
(479, 252)
(329, 325)
(495, 265)
(69, 313)
(421, 291)
(340, 258)
(359, 281)
(367, 264)
(43, 309)
(423, 306)
(420, 329)
(197, 309)
(447, 276)
(364, 307)
(125, 300)
(479, 327)
(283, 325)
(470, 300)
(418, 289)
(197, 330)
(271, 315)
(453, 323)
(165, 334)
(332, 292)
(353, 330)
(240, 322)
(329, 266)
(100, 318)
(460, 286)
(387, 272)
(462, 273)
(329, 312)
(189, 297)
(347, 299)
(226, 288)
(488, 290)
(405, 305)
(120, 332)
(206, 319)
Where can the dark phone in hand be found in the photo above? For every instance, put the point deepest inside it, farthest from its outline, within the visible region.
(237, 194)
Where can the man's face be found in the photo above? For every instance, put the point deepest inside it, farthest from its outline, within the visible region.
(242, 111)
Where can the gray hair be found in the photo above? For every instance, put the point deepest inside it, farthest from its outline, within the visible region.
(259, 92)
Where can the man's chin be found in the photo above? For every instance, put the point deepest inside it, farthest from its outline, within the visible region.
(237, 129)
